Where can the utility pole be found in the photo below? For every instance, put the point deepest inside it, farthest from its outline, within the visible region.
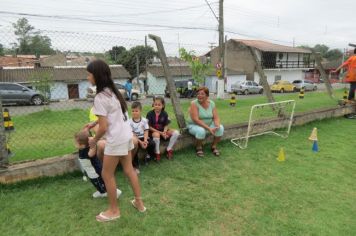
(221, 78)
(138, 71)
(145, 89)
(3, 152)
(225, 63)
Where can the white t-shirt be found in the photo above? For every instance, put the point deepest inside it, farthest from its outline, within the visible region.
(139, 127)
(118, 131)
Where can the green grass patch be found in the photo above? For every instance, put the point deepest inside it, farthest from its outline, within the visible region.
(244, 192)
(50, 133)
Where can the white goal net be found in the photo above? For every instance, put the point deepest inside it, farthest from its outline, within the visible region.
(268, 118)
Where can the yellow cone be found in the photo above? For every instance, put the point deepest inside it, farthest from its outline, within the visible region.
(281, 155)
(314, 135)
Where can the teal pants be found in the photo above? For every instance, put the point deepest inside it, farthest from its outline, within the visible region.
(200, 133)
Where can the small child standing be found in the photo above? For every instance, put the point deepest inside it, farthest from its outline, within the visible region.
(140, 128)
(158, 121)
(90, 163)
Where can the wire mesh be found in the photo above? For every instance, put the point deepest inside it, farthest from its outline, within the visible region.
(49, 97)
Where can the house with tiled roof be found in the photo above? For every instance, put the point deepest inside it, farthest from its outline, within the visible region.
(69, 82)
(156, 79)
(279, 62)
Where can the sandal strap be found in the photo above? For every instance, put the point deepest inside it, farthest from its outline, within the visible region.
(215, 150)
(199, 152)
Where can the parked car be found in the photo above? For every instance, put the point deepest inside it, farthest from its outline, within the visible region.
(182, 88)
(306, 84)
(17, 93)
(135, 94)
(246, 87)
(282, 86)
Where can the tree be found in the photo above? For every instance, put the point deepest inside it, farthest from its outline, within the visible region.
(43, 82)
(322, 49)
(325, 51)
(1, 50)
(334, 54)
(128, 58)
(30, 41)
(41, 45)
(199, 69)
(115, 52)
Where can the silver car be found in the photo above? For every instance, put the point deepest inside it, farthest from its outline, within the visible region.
(246, 87)
(306, 84)
(17, 93)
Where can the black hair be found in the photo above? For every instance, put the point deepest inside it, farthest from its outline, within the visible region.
(135, 105)
(355, 51)
(102, 77)
(160, 99)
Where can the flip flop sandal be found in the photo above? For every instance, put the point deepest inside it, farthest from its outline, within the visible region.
(215, 151)
(199, 152)
(103, 218)
(133, 202)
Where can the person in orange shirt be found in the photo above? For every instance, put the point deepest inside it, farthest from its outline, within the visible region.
(350, 64)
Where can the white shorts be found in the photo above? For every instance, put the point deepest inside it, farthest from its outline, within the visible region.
(118, 150)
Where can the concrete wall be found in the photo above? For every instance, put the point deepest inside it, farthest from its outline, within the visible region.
(157, 85)
(238, 58)
(288, 75)
(211, 82)
(60, 89)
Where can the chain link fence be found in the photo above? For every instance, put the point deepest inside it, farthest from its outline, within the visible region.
(49, 98)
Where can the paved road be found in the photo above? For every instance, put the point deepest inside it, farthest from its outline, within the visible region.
(71, 104)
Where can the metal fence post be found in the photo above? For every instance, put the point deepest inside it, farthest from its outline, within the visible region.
(4, 161)
(263, 78)
(171, 86)
(323, 74)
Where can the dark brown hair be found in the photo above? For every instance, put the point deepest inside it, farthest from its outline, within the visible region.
(205, 89)
(82, 137)
(102, 77)
(136, 105)
(159, 99)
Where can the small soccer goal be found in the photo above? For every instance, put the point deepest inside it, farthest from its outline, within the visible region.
(268, 118)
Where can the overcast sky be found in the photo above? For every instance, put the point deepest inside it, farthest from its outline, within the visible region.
(99, 25)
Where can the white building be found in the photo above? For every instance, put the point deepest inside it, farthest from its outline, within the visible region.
(279, 62)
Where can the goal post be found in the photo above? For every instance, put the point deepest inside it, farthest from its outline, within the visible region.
(268, 118)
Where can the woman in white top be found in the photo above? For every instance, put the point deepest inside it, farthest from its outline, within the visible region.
(111, 109)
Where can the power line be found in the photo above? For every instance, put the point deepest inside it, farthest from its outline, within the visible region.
(148, 13)
(216, 17)
(104, 21)
(167, 27)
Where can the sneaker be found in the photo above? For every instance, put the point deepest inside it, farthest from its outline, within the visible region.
(170, 154)
(118, 193)
(350, 116)
(98, 194)
(147, 159)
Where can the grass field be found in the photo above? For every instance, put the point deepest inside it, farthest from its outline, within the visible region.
(244, 192)
(50, 133)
